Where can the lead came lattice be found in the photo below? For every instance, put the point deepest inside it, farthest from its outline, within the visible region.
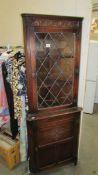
(55, 68)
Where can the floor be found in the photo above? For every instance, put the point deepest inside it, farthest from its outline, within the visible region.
(88, 153)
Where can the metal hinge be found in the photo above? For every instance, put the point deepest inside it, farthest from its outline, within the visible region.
(36, 149)
(34, 75)
(76, 71)
(75, 101)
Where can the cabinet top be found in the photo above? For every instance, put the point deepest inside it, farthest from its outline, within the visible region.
(56, 113)
(64, 22)
(52, 16)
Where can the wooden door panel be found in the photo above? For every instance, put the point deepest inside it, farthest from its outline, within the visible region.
(45, 156)
(53, 154)
(55, 131)
(64, 151)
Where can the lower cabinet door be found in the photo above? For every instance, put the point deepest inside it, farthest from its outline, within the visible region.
(54, 154)
(55, 140)
(45, 156)
(64, 151)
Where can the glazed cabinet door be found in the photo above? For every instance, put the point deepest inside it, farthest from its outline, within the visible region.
(52, 61)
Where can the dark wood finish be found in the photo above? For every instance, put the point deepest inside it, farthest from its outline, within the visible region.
(53, 122)
(56, 138)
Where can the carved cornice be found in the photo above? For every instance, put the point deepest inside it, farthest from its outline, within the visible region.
(53, 21)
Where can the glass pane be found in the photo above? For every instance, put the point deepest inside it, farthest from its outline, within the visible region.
(55, 67)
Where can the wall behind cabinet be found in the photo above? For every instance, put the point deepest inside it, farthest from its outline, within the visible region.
(11, 31)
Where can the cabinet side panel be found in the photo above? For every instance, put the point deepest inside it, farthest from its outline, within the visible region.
(76, 136)
(31, 131)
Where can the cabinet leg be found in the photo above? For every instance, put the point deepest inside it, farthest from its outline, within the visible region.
(34, 173)
(75, 161)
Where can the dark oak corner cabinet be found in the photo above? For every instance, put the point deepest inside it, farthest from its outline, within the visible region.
(52, 50)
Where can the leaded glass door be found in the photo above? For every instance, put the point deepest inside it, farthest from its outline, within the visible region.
(55, 61)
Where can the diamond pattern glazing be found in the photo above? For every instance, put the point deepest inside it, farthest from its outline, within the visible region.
(55, 68)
